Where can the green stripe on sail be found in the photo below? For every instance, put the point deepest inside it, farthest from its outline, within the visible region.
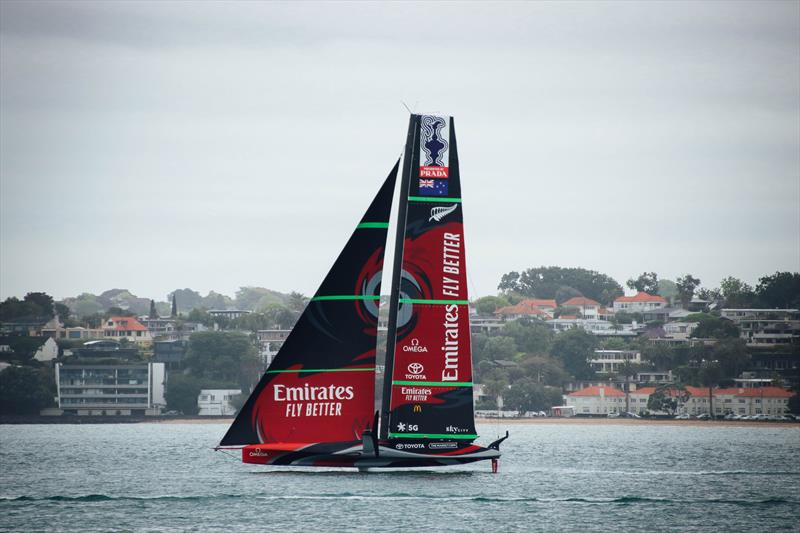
(345, 297)
(373, 225)
(436, 199)
(435, 383)
(419, 301)
(303, 370)
(431, 436)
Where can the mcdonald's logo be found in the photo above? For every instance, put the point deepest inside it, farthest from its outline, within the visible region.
(417, 408)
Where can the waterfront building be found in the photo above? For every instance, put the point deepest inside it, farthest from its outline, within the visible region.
(123, 389)
(752, 401)
(228, 313)
(596, 400)
(216, 402)
(269, 342)
(170, 352)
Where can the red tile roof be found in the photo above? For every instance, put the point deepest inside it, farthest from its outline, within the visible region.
(756, 392)
(580, 300)
(644, 390)
(527, 307)
(125, 323)
(595, 391)
(641, 297)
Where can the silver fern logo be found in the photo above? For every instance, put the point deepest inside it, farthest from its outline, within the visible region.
(438, 213)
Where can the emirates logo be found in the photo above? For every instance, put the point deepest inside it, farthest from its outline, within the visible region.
(416, 368)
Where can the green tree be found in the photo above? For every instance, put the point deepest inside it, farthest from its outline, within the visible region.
(223, 356)
(528, 395)
(623, 317)
(667, 398)
(153, 313)
(711, 327)
(25, 390)
(737, 293)
(487, 305)
(530, 336)
(686, 286)
(668, 290)
(646, 282)
(500, 348)
(781, 289)
(297, 302)
(732, 356)
(544, 282)
(182, 391)
(545, 369)
(574, 348)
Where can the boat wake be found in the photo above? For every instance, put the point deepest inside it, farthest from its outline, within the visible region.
(622, 500)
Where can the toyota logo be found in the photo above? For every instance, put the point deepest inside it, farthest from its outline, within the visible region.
(416, 368)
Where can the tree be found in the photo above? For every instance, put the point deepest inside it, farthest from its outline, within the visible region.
(528, 395)
(487, 305)
(500, 348)
(25, 390)
(668, 290)
(711, 327)
(297, 302)
(574, 348)
(153, 313)
(732, 357)
(545, 282)
(182, 391)
(623, 317)
(646, 282)
(781, 289)
(567, 311)
(667, 398)
(174, 312)
(223, 356)
(686, 286)
(62, 311)
(737, 293)
(545, 369)
(530, 336)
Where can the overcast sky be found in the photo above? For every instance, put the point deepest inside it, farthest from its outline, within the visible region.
(152, 146)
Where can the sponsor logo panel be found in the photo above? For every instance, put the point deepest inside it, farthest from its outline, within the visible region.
(440, 254)
(306, 408)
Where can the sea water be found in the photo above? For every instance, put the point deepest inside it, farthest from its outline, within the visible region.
(553, 477)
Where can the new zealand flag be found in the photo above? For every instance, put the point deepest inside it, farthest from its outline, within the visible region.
(433, 187)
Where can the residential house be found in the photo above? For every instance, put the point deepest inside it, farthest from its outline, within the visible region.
(766, 327)
(126, 327)
(228, 313)
(217, 402)
(665, 314)
(639, 303)
(679, 330)
(269, 342)
(612, 361)
(20, 348)
(170, 352)
(589, 308)
(106, 348)
(528, 308)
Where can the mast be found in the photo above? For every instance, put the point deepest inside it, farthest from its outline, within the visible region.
(397, 272)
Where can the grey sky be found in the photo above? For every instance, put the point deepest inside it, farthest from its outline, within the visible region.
(153, 146)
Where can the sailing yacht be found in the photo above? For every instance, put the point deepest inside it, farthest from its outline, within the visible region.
(315, 403)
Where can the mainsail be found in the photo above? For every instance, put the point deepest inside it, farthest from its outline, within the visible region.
(428, 386)
(320, 386)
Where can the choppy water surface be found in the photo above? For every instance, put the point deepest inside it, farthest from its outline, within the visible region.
(553, 477)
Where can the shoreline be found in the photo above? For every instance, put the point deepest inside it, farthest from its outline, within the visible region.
(580, 421)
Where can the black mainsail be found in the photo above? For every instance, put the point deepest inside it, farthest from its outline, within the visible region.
(320, 386)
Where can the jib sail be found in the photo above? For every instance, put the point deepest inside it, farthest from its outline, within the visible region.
(320, 386)
(429, 394)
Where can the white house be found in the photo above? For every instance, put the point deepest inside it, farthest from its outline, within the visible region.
(37, 348)
(639, 304)
(126, 327)
(216, 402)
(612, 361)
(589, 308)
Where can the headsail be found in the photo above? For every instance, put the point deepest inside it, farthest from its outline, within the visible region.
(320, 386)
(428, 350)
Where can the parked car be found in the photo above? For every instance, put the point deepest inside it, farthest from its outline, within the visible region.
(684, 416)
(704, 416)
(628, 414)
(612, 415)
